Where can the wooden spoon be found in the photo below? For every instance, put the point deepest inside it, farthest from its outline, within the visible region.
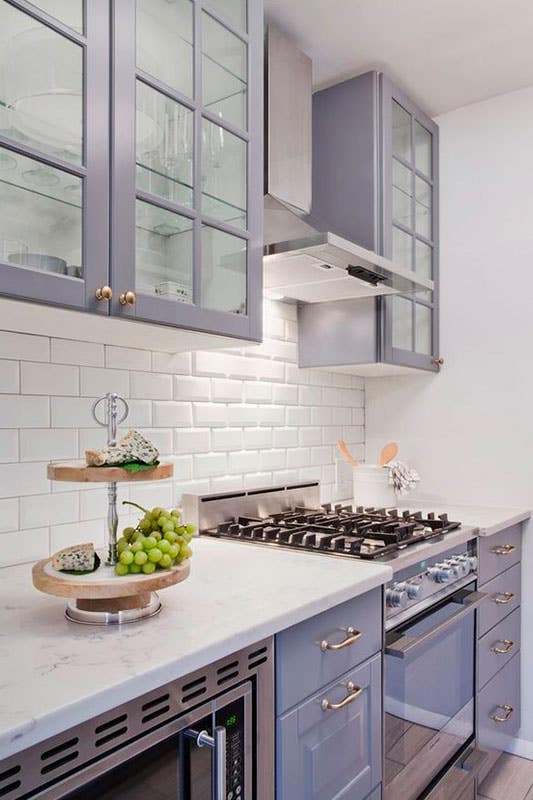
(389, 452)
(346, 453)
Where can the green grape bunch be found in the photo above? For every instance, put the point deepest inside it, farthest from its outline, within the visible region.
(160, 541)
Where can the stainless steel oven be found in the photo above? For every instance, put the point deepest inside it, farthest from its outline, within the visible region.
(220, 747)
(429, 685)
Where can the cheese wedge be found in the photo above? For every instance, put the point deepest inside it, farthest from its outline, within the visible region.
(133, 447)
(79, 558)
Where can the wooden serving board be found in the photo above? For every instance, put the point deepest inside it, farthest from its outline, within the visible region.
(83, 474)
(104, 584)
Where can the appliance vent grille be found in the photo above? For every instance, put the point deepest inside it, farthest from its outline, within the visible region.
(48, 762)
(7, 775)
(257, 658)
(190, 691)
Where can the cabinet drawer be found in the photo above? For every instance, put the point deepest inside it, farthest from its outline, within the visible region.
(498, 646)
(334, 752)
(503, 597)
(499, 552)
(303, 664)
(499, 707)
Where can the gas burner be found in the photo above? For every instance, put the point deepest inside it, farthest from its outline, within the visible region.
(366, 533)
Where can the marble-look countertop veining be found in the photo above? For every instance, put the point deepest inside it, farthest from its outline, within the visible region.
(55, 674)
(486, 519)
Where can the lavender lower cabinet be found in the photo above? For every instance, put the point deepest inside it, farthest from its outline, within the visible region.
(329, 746)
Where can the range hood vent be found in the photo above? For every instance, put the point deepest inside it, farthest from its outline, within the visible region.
(301, 262)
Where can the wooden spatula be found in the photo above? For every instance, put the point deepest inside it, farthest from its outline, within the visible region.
(346, 453)
(389, 452)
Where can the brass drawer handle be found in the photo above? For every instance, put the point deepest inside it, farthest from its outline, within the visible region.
(352, 637)
(509, 711)
(503, 549)
(502, 598)
(104, 293)
(501, 651)
(355, 692)
(127, 298)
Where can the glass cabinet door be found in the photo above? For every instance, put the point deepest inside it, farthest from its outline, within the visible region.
(187, 163)
(54, 155)
(410, 227)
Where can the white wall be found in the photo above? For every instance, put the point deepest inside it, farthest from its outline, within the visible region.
(228, 420)
(469, 430)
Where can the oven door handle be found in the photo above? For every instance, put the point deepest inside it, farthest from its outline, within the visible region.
(217, 744)
(405, 645)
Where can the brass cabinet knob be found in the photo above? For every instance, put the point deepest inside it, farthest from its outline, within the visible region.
(127, 298)
(438, 361)
(104, 293)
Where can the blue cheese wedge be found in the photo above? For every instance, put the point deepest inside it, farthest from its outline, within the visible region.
(78, 558)
(133, 447)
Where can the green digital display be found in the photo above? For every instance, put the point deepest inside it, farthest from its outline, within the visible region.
(231, 721)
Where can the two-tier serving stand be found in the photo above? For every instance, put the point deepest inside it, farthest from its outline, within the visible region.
(103, 597)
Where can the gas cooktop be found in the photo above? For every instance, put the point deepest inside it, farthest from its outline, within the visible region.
(361, 532)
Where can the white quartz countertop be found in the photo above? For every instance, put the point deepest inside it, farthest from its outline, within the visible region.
(487, 520)
(55, 674)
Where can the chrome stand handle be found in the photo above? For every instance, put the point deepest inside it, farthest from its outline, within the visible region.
(217, 744)
(509, 711)
(352, 637)
(355, 692)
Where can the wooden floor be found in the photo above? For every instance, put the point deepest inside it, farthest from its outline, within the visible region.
(511, 778)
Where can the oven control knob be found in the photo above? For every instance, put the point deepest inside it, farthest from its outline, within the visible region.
(396, 597)
(459, 566)
(439, 573)
(413, 590)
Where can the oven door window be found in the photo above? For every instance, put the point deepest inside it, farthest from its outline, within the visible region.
(157, 774)
(429, 698)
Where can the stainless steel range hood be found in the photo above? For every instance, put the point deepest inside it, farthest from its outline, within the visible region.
(300, 261)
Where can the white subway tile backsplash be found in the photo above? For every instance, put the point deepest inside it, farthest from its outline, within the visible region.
(210, 415)
(257, 392)
(9, 376)
(45, 444)
(298, 457)
(307, 436)
(258, 480)
(239, 418)
(172, 414)
(286, 395)
(24, 412)
(191, 388)
(85, 354)
(48, 379)
(243, 461)
(50, 509)
(195, 440)
(24, 347)
(128, 358)
(285, 437)
(9, 446)
(257, 438)
(226, 439)
(209, 465)
(17, 480)
(226, 391)
(96, 382)
(272, 459)
(66, 535)
(20, 546)
(173, 363)
(9, 514)
(151, 385)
